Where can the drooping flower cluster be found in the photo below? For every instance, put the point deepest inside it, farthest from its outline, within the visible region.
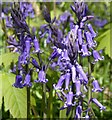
(80, 41)
(25, 44)
(68, 47)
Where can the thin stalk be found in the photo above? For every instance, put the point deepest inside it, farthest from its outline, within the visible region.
(44, 102)
(28, 97)
(89, 79)
(89, 87)
(81, 98)
(28, 103)
(50, 102)
(6, 35)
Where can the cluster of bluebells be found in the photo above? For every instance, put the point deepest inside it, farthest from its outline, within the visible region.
(79, 41)
(25, 43)
(67, 47)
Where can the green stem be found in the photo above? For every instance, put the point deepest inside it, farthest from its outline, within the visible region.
(6, 35)
(89, 87)
(44, 102)
(28, 96)
(28, 103)
(50, 110)
(89, 79)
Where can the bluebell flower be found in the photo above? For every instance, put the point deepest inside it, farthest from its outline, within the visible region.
(41, 77)
(46, 14)
(69, 98)
(53, 65)
(36, 45)
(8, 22)
(97, 56)
(93, 34)
(78, 88)
(65, 16)
(19, 63)
(67, 80)
(27, 81)
(73, 70)
(80, 9)
(100, 23)
(85, 51)
(18, 82)
(35, 63)
(55, 53)
(80, 39)
(81, 72)
(94, 100)
(80, 78)
(84, 19)
(27, 9)
(64, 55)
(69, 101)
(23, 58)
(78, 112)
(89, 40)
(96, 87)
(60, 82)
(27, 43)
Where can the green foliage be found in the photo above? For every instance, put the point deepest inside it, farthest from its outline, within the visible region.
(15, 99)
(104, 42)
(7, 58)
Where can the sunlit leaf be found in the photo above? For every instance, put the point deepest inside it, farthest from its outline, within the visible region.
(7, 58)
(15, 99)
(104, 42)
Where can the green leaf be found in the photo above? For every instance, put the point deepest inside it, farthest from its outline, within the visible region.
(104, 42)
(15, 99)
(7, 58)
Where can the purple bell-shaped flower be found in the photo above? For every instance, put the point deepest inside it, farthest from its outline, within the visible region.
(27, 43)
(80, 40)
(75, 31)
(67, 80)
(35, 63)
(81, 72)
(55, 53)
(94, 100)
(78, 112)
(96, 87)
(89, 40)
(60, 82)
(65, 56)
(18, 82)
(73, 69)
(78, 88)
(36, 45)
(69, 98)
(97, 56)
(85, 51)
(27, 81)
(41, 77)
(93, 34)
